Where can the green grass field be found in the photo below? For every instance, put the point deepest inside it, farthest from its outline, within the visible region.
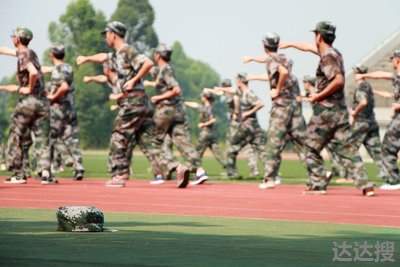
(28, 236)
(293, 171)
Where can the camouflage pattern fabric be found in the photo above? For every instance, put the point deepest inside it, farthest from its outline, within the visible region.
(80, 219)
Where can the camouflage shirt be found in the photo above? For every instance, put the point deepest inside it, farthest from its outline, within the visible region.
(330, 65)
(396, 88)
(272, 64)
(247, 101)
(206, 114)
(62, 73)
(126, 63)
(165, 81)
(364, 92)
(25, 57)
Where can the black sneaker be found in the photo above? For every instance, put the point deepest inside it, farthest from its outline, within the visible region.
(78, 176)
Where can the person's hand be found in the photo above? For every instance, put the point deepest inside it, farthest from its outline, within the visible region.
(154, 99)
(50, 97)
(25, 90)
(359, 77)
(80, 60)
(245, 114)
(274, 94)
(313, 98)
(352, 116)
(130, 84)
(117, 96)
(395, 107)
(86, 79)
(247, 59)
(201, 125)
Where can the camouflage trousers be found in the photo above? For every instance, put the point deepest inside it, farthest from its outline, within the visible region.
(390, 150)
(249, 132)
(331, 125)
(171, 120)
(31, 115)
(207, 139)
(286, 123)
(366, 133)
(64, 135)
(252, 154)
(133, 126)
(337, 167)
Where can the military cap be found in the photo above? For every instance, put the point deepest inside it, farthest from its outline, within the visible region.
(23, 33)
(116, 27)
(58, 49)
(325, 27)
(396, 53)
(360, 69)
(226, 83)
(242, 76)
(271, 40)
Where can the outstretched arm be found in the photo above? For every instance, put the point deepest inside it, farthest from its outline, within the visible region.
(305, 47)
(9, 88)
(97, 79)
(192, 104)
(149, 83)
(8, 51)
(383, 93)
(96, 58)
(258, 59)
(376, 75)
(47, 69)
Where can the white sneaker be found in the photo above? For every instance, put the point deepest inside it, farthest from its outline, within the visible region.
(200, 180)
(157, 180)
(15, 180)
(3, 167)
(267, 185)
(390, 187)
(278, 180)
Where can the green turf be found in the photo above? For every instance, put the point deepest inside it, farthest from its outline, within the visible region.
(293, 171)
(28, 238)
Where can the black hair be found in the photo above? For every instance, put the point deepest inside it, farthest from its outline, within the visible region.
(328, 38)
(24, 41)
(58, 54)
(271, 49)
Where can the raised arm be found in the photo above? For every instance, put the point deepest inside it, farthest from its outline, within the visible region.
(9, 88)
(47, 69)
(192, 104)
(257, 59)
(305, 47)
(96, 58)
(376, 75)
(8, 51)
(97, 79)
(383, 93)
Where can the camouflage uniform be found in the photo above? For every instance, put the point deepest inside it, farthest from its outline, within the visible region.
(233, 128)
(80, 219)
(286, 120)
(248, 132)
(391, 141)
(133, 124)
(31, 114)
(330, 123)
(365, 129)
(207, 136)
(64, 130)
(170, 119)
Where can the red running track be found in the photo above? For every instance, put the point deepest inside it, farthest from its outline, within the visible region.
(286, 202)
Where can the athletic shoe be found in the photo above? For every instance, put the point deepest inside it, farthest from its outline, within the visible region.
(50, 180)
(369, 192)
(200, 179)
(314, 191)
(390, 187)
(182, 176)
(16, 180)
(278, 180)
(267, 184)
(115, 182)
(158, 180)
(78, 176)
